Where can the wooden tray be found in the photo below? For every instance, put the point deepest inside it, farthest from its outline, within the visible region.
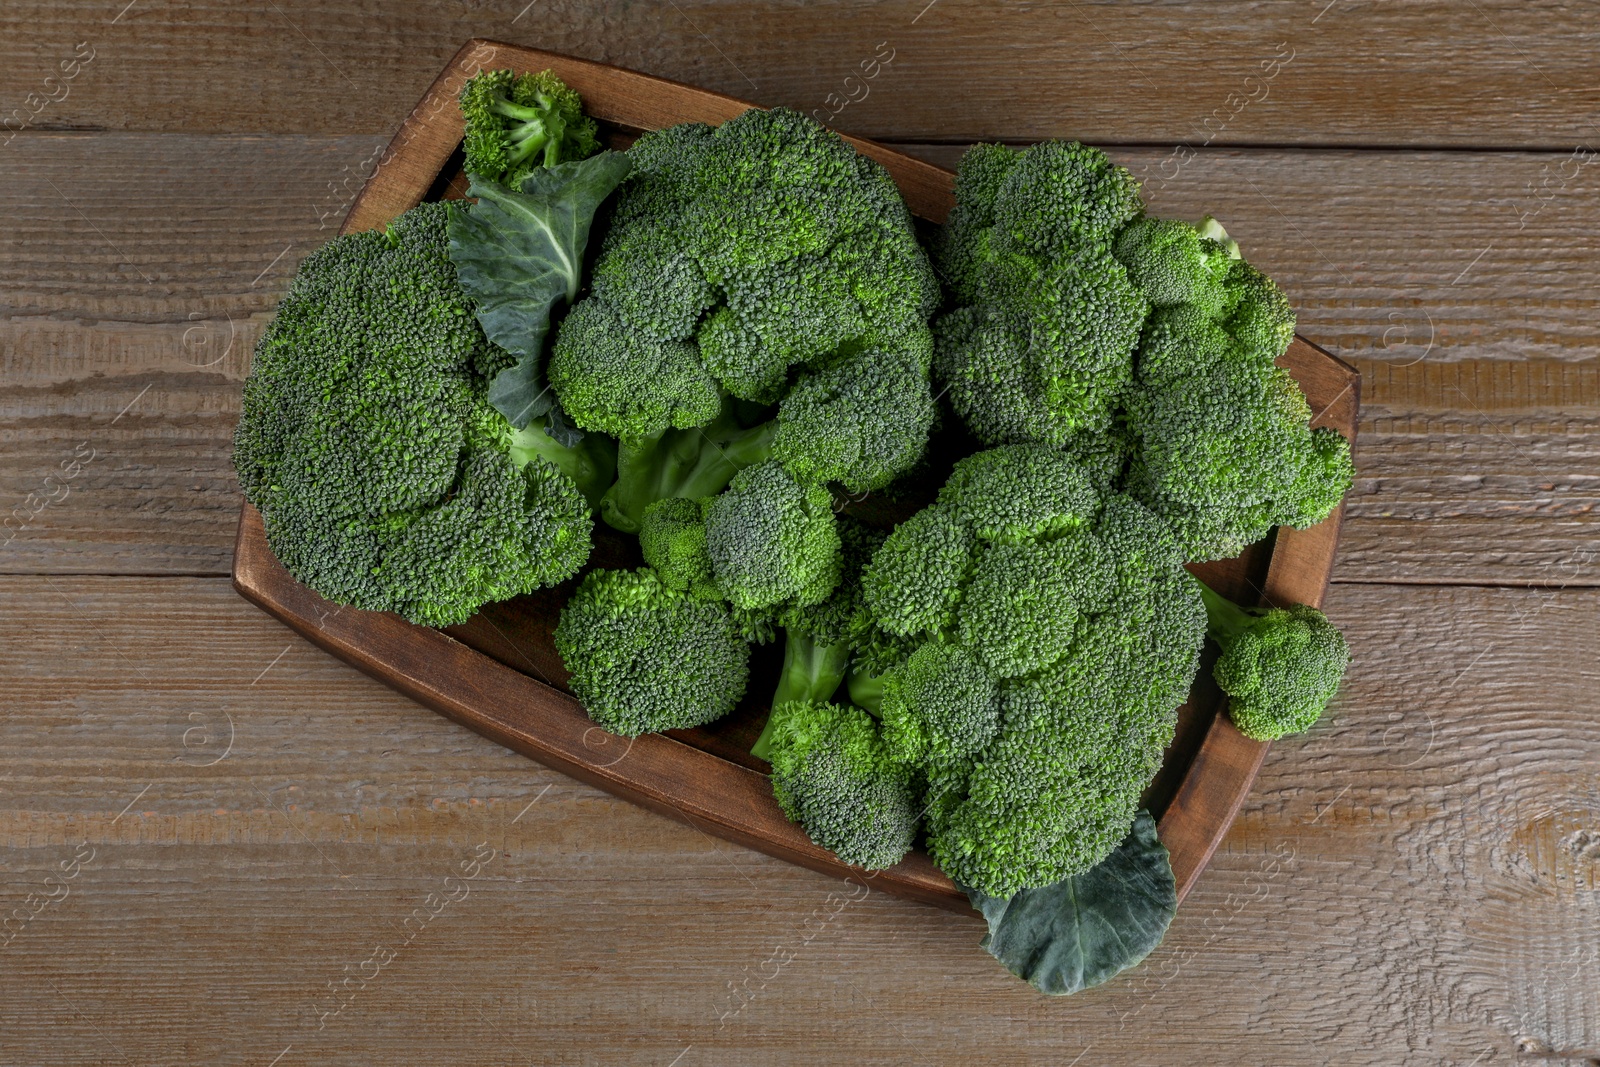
(499, 674)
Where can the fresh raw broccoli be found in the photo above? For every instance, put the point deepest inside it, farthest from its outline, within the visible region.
(832, 774)
(644, 657)
(772, 539)
(672, 538)
(766, 260)
(819, 638)
(366, 439)
(1222, 443)
(941, 703)
(1040, 344)
(1279, 666)
(1056, 635)
(519, 123)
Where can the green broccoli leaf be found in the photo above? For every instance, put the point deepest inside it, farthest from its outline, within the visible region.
(1086, 929)
(518, 254)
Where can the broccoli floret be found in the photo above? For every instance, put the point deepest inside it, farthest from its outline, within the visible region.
(1171, 263)
(1279, 666)
(766, 260)
(1224, 447)
(819, 638)
(644, 657)
(1020, 493)
(518, 123)
(366, 439)
(672, 539)
(772, 539)
(1041, 343)
(859, 422)
(619, 384)
(832, 774)
(1221, 438)
(941, 702)
(1049, 665)
(914, 581)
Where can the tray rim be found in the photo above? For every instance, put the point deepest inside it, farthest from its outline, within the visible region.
(664, 774)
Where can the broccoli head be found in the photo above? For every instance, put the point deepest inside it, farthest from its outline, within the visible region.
(1279, 666)
(1224, 449)
(1055, 634)
(645, 657)
(832, 774)
(519, 123)
(672, 539)
(1040, 344)
(772, 539)
(767, 260)
(385, 478)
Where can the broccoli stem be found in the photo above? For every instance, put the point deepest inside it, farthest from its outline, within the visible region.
(591, 464)
(692, 463)
(866, 692)
(811, 672)
(1225, 620)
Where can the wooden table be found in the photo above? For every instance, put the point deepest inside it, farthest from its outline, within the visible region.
(243, 852)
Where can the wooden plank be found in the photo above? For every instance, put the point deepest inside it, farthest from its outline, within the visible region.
(1495, 72)
(1480, 451)
(1404, 845)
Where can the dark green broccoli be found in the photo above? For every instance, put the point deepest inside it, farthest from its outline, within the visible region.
(767, 260)
(519, 123)
(672, 539)
(832, 774)
(366, 439)
(1279, 666)
(819, 638)
(1222, 445)
(644, 657)
(940, 703)
(1040, 344)
(1054, 643)
(772, 539)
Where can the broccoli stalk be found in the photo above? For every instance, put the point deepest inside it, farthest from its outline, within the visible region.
(1279, 666)
(695, 462)
(821, 639)
(812, 673)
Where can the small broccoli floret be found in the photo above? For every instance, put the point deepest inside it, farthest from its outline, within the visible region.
(832, 774)
(644, 657)
(591, 464)
(1041, 344)
(772, 539)
(1020, 492)
(941, 702)
(385, 478)
(1279, 666)
(672, 538)
(518, 123)
(914, 581)
(859, 422)
(1171, 263)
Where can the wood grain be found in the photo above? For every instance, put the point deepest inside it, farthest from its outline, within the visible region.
(1479, 459)
(1403, 850)
(1490, 73)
